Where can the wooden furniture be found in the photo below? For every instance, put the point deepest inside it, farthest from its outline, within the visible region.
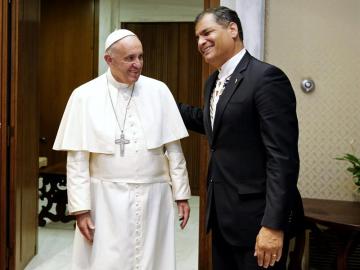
(343, 217)
(53, 189)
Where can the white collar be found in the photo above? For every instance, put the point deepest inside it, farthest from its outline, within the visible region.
(117, 88)
(228, 68)
(115, 83)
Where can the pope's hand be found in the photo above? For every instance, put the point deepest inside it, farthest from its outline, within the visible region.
(268, 247)
(184, 212)
(85, 225)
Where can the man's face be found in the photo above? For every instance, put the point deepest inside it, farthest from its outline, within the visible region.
(216, 42)
(126, 60)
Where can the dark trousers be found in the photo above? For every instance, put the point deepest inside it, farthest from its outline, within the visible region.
(228, 257)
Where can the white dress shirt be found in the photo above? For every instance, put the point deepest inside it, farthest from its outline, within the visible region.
(224, 75)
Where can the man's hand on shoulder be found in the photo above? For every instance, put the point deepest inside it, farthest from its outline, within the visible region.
(85, 225)
(268, 247)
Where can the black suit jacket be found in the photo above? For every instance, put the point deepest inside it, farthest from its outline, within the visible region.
(254, 162)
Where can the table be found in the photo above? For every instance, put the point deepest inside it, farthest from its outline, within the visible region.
(341, 216)
(53, 190)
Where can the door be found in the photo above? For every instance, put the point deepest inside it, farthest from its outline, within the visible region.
(68, 58)
(170, 55)
(22, 158)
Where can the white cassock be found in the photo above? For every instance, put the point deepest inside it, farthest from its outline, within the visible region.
(130, 197)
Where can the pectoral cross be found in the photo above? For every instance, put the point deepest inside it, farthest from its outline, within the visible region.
(122, 141)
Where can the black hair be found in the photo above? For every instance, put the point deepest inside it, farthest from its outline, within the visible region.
(223, 16)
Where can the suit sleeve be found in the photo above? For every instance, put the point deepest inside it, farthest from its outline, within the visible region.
(192, 117)
(276, 106)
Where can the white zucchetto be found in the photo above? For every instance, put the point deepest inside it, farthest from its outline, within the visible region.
(116, 36)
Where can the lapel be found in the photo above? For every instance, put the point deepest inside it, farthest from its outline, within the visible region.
(229, 90)
(209, 87)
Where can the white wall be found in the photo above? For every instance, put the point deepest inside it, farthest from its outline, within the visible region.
(320, 40)
(252, 17)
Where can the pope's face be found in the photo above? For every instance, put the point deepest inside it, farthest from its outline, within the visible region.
(126, 60)
(215, 41)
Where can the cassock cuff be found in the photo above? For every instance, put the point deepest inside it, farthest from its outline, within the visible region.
(78, 181)
(178, 172)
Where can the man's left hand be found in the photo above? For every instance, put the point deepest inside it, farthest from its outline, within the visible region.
(184, 212)
(268, 247)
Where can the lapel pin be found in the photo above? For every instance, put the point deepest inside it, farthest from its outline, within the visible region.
(236, 80)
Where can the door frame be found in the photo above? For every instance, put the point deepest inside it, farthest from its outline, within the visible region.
(205, 261)
(4, 84)
(21, 135)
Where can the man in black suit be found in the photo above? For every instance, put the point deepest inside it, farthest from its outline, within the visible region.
(250, 120)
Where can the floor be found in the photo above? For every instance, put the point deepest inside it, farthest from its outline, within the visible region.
(55, 244)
